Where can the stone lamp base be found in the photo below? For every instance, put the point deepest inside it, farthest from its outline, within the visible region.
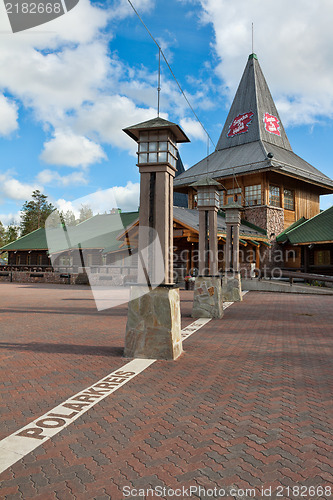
(207, 301)
(153, 328)
(231, 287)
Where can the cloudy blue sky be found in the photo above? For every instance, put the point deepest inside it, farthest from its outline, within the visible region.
(68, 88)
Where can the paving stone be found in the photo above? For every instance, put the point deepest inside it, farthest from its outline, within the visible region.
(247, 404)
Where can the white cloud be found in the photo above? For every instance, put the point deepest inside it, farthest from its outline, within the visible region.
(10, 218)
(66, 206)
(72, 150)
(193, 129)
(15, 190)
(124, 197)
(294, 43)
(107, 116)
(122, 9)
(50, 177)
(8, 116)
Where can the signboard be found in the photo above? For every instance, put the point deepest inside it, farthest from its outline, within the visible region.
(240, 124)
(272, 124)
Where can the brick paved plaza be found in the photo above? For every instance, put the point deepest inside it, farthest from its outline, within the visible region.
(248, 406)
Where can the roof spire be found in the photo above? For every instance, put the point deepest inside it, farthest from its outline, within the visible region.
(253, 115)
(252, 40)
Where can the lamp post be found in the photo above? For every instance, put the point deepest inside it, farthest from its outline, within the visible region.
(208, 205)
(153, 325)
(207, 293)
(231, 289)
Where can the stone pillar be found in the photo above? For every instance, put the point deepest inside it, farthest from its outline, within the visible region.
(153, 323)
(231, 283)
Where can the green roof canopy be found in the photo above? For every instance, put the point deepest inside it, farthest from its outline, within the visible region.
(316, 230)
(100, 231)
(36, 240)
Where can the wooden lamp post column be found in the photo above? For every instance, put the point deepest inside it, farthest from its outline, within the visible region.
(207, 293)
(153, 325)
(231, 289)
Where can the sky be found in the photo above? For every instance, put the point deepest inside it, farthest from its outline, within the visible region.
(69, 87)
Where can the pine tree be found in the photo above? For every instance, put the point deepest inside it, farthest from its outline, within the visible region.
(35, 213)
(11, 233)
(2, 235)
(85, 213)
(69, 218)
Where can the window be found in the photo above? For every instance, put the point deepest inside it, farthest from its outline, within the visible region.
(322, 257)
(66, 260)
(289, 203)
(157, 147)
(234, 196)
(274, 196)
(253, 195)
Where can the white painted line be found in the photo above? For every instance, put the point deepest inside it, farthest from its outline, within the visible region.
(25, 440)
(194, 327)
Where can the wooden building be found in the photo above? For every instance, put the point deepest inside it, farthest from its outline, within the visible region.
(255, 164)
(308, 244)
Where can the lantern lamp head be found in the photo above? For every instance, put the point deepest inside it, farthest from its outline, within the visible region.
(208, 193)
(157, 141)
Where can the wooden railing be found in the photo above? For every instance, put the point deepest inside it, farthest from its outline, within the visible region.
(292, 275)
(306, 276)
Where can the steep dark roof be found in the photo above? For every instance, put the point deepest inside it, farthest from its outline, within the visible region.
(315, 230)
(253, 96)
(180, 199)
(244, 148)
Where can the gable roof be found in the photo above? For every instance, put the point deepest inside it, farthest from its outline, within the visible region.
(246, 145)
(315, 230)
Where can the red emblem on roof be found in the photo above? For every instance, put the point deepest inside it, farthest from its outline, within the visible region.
(272, 124)
(240, 124)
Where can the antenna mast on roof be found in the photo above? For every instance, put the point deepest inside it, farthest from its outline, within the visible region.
(252, 39)
(159, 82)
